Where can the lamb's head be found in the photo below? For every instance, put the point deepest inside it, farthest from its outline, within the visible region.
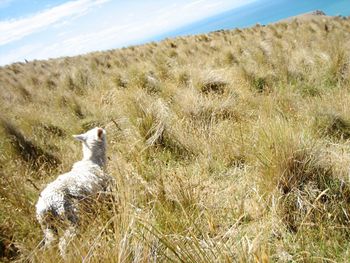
(94, 145)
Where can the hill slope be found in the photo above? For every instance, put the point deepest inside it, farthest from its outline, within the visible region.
(229, 146)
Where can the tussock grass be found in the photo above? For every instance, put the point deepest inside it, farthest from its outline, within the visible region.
(312, 194)
(29, 152)
(231, 146)
(332, 125)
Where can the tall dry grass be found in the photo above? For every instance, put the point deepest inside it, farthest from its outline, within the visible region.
(229, 146)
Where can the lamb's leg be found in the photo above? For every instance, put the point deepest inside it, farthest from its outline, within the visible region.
(50, 234)
(67, 237)
(71, 231)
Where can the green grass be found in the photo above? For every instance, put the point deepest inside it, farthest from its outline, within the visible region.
(227, 147)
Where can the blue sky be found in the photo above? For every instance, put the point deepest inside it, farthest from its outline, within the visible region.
(31, 29)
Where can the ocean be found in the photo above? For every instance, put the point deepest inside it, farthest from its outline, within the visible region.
(262, 12)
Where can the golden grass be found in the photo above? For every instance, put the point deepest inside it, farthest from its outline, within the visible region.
(229, 146)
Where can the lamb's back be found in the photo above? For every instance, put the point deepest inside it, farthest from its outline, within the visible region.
(84, 179)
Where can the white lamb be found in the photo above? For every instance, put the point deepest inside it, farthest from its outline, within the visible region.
(59, 200)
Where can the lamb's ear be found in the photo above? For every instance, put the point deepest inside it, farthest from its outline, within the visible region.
(100, 133)
(80, 137)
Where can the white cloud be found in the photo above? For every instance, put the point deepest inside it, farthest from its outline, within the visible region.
(11, 30)
(123, 28)
(134, 29)
(5, 3)
(19, 54)
(194, 3)
(139, 27)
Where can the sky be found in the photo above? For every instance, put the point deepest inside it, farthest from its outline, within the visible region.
(41, 29)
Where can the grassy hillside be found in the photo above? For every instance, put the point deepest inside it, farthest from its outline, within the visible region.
(229, 146)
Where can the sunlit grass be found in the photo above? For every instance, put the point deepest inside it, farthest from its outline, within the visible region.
(227, 147)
